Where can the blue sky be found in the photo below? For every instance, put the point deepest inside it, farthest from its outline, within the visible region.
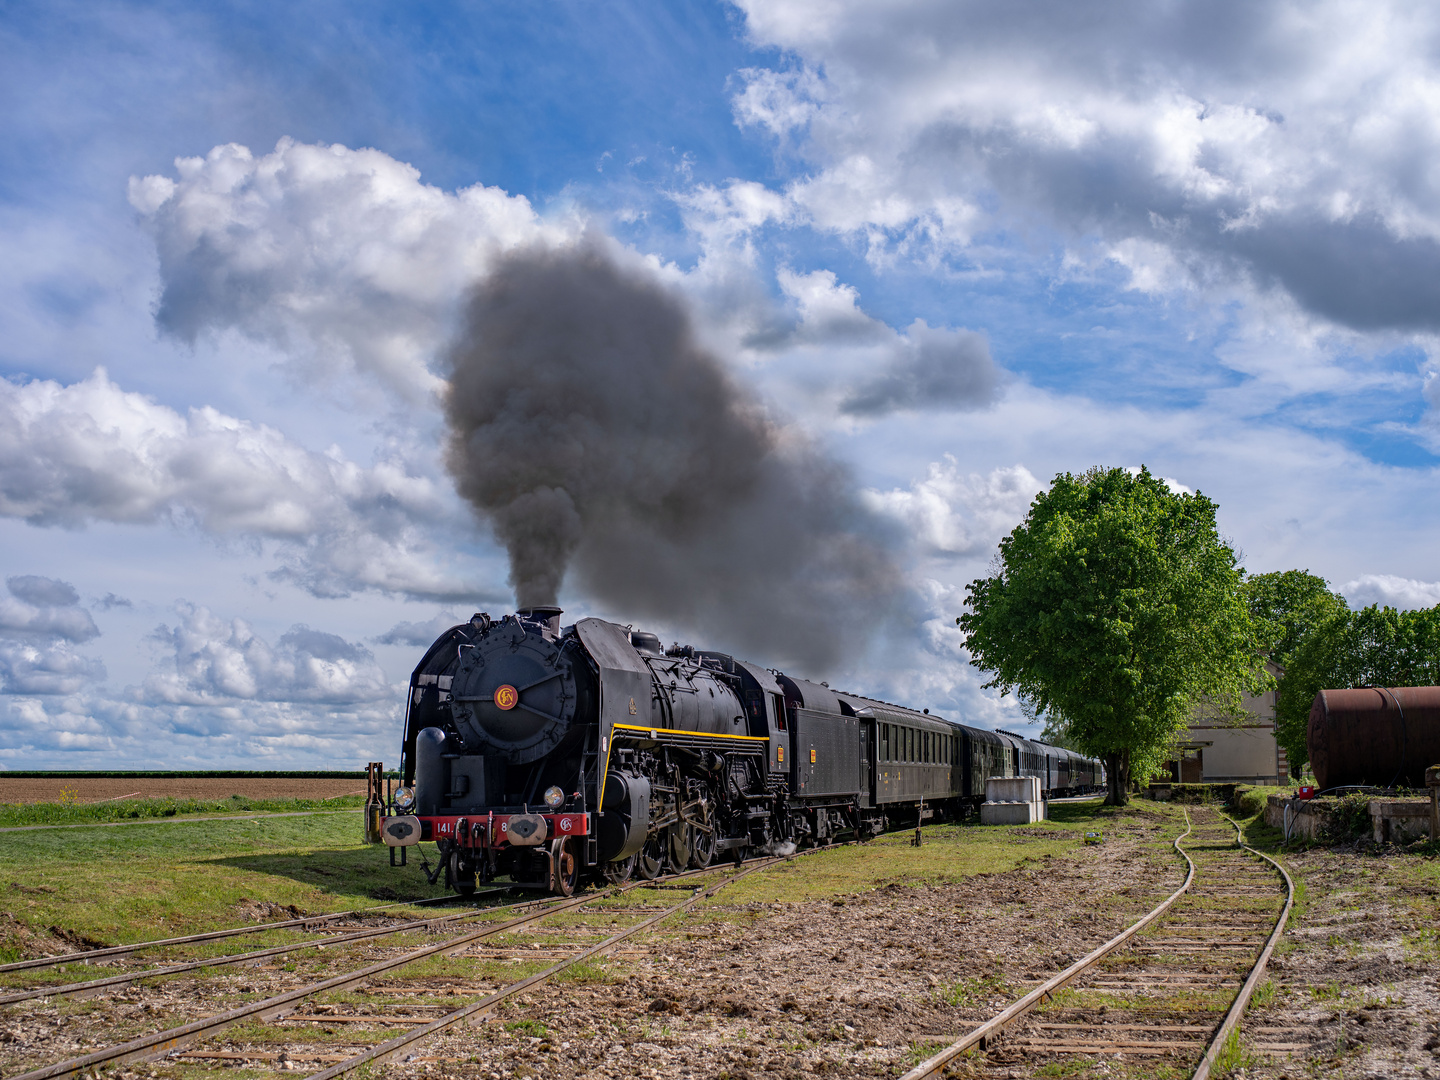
(1034, 237)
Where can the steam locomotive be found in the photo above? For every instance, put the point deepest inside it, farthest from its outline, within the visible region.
(559, 755)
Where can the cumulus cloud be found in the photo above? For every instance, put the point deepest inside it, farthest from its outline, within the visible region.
(1389, 590)
(88, 452)
(219, 694)
(418, 633)
(41, 622)
(342, 258)
(952, 513)
(216, 659)
(1243, 141)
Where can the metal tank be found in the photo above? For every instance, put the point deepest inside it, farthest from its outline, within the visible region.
(1384, 736)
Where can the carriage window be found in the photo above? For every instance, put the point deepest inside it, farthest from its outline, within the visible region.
(884, 742)
(910, 743)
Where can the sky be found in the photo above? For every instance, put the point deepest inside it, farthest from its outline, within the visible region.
(933, 253)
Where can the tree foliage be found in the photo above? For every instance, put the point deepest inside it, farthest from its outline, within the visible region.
(1287, 607)
(1372, 647)
(1115, 607)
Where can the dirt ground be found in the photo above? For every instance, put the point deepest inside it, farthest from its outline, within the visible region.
(86, 789)
(861, 985)
(851, 985)
(1360, 967)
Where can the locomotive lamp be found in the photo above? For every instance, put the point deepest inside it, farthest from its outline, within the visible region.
(554, 796)
(405, 799)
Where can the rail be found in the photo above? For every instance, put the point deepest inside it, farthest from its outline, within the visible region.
(934, 1066)
(115, 952)
(1231, 1023)
(162, 1043)
(388, 1050)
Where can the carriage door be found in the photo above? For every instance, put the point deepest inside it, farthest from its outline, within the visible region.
(867, 762)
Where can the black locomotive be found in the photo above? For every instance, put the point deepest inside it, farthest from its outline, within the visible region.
(558, 755)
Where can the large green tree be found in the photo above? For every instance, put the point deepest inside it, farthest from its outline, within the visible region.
(1114, 608)
(1287, 606)
(1372, 647)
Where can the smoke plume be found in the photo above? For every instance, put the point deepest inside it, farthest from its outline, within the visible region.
(596, 436)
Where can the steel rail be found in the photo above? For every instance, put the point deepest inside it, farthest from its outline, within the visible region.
(1242, 1000)
(934, 1066)
(476, 1009)
(113, 952)
(91, 987)
(161, 1043)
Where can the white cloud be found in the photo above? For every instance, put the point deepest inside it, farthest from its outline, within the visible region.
(216, 659)
(40, 607)
(1388, 590)
(419, 634)
(955, 513)
(70, 455)
(1248, 142)
(41, 622)
(342, 258)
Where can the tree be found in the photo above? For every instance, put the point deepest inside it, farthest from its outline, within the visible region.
(1287, 607)
(1372, 647)
(1115, 607)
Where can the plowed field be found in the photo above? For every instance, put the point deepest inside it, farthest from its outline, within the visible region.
(30, 789)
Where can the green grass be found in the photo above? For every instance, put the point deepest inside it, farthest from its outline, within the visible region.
(115, 885)
(949, 854)
(976, 990)
(14, 815)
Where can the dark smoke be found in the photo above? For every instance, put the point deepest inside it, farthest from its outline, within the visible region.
(595, 434)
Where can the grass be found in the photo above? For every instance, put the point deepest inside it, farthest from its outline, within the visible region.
(14, 815)
(111, 886)
(976, 990)
(948, 855)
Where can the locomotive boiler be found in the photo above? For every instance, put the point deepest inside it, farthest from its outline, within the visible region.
(553, 755)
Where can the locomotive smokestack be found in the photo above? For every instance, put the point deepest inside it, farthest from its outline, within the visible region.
(550, 616)
(593, 432)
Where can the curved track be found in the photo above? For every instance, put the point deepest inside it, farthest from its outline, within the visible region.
(1169, 989)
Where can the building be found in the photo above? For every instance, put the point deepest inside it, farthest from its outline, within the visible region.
(1218, 748)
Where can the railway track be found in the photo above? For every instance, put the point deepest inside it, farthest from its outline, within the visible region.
(1170, 989)
(382, 981)
(306, 922)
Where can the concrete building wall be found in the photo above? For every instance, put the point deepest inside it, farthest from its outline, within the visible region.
(1219, 748)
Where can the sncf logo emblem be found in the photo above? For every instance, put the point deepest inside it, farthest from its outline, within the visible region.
(506, 697)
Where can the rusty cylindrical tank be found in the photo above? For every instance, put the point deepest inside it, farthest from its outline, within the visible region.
(1374, 736)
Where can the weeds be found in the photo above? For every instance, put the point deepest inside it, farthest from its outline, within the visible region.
(976, 990)
(1349, 819)
(1331, 991)
(1232, 1057)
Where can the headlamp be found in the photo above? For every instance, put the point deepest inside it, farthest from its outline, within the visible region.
(405, 799)
(554, 796)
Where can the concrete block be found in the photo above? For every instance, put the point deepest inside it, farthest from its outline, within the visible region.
(1012, 789)
(1010, 813)
(1399, 821)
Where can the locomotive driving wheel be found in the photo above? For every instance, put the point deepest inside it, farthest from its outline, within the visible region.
(651, 860)
(678, 847)
(620, 870)
(564, 866)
